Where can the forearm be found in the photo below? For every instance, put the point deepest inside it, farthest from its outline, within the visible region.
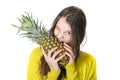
(71, 72)
(52, 75)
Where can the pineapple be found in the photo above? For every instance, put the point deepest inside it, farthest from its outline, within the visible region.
(37, 33)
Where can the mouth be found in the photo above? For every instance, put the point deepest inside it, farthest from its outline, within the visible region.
(62, 42)
(66, 43)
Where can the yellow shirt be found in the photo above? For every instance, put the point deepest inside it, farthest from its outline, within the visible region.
(84, 69)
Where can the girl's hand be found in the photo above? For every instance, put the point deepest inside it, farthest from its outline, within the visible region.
(51, 59)
(69, 53)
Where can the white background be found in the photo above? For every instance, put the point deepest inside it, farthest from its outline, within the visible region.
(103, 42)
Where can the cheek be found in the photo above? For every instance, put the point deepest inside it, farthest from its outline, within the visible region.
(68, 40)
(55, 32)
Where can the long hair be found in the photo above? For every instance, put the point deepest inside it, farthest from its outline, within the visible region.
(77, 20)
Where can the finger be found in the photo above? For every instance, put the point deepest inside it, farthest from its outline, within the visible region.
(56, 53)
(51, 51)
(43, 51)
(69, 55)
(69, 50)
(67, 46)
(59, 58)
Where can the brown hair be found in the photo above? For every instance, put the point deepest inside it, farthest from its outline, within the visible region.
(77, 20)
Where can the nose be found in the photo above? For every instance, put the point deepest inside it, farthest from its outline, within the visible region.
(61, 37)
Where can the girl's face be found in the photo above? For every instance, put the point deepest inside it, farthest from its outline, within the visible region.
(63, 31)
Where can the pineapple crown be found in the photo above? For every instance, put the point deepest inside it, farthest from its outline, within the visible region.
(31, 29)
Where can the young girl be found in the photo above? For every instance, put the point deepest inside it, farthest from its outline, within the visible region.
(70, 28)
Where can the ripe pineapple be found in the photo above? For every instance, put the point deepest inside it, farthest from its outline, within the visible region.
(38, 34)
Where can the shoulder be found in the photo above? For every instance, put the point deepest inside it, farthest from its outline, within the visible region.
(86, 57)
(36, 52)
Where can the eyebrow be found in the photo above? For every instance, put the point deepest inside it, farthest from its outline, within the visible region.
(68, 31)
(65, 31)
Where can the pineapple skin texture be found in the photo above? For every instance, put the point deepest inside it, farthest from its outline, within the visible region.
(52, 42)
